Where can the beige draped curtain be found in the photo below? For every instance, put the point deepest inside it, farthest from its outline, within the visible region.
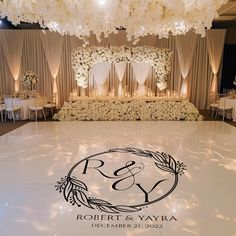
(174, 78)
(199, 77)
(52, 45)
(215, 47)
(120, 71)
(49, 56)
(186, 47)
(33, 58)
(7, 82)
(65, 78)
(12, 48)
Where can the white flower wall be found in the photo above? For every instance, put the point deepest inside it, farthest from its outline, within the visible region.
(84, 58)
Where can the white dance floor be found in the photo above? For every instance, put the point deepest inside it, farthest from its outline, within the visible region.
(118, 180)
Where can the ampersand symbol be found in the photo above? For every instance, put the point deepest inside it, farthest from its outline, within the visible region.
(129, 174)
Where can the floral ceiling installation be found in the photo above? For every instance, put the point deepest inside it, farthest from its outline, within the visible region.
(84, 58)
(138, 17)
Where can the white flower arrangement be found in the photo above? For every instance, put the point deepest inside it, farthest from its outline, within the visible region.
(138, 17)
(29, 80)
(128, 109)
(84, 58)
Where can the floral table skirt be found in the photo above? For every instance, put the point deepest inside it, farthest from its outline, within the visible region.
(128, 109)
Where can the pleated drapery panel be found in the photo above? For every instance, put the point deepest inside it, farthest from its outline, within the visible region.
(215, 47)
(52, 45)
(199, 77)
(12, 44)
(174, 78)
(186, 47)
(100, 73)
(65, 78)
(34, 59)
(7, 82)
(141, 71)
(120, 71)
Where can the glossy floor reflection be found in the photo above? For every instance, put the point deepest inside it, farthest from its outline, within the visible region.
(35, 156)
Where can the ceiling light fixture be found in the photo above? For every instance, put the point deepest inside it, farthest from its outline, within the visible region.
(103, 17)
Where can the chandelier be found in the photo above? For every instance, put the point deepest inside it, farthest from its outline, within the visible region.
(103, 17)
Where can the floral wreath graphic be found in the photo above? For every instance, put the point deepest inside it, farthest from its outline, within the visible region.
(74, 190)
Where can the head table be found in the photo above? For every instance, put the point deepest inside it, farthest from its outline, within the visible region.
(128, 108)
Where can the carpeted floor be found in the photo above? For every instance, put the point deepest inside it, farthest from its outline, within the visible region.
(208, 117)
(9, 125)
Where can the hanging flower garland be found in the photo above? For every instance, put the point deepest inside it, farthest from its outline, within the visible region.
(84, 58)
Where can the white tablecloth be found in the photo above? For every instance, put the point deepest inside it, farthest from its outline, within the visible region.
(231, 102)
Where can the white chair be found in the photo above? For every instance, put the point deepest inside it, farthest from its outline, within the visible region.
(2, 110)
(11, 107)
(50, 105)
(37, 107)
(223, 108)
(214, 103)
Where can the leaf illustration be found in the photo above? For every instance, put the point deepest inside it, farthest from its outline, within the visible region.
(140, 152)
(127, 209)
(108, 209)
(67, 190)
(82, 198)
(164, 168)
(75, 200)
(121, 150)
(135, 151)
(158, 157)
(170, 160)
(79, 184)
(100, 202)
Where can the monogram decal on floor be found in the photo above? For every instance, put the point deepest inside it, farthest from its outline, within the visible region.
(123, 179)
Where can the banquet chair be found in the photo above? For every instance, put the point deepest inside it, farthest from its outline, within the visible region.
(223, 108)
(2, 110)
(214, 103)
(51, 104)
(37, 107)
(11, 107)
